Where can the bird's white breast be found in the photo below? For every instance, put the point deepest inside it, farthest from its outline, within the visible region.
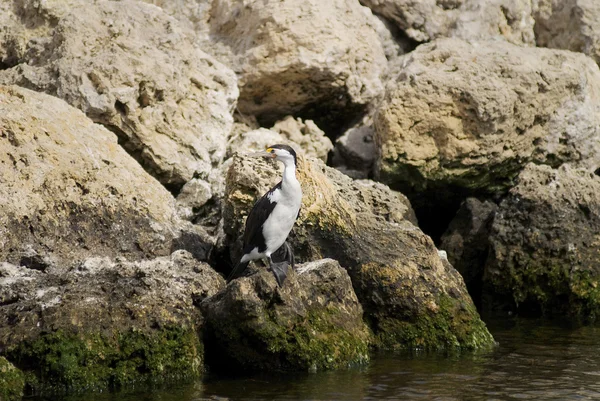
(279, 224)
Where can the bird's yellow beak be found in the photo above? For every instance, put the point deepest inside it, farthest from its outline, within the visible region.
(264, 153)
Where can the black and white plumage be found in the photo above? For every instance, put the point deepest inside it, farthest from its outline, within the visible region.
(272, 217)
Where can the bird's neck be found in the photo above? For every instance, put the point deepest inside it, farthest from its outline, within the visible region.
(289, 180)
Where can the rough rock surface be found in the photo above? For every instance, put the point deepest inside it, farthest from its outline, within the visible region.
(132, 68)
(450, 122)
(105, 323)
(313, 322)
(12, 381)
(192, 14)
(69, 191)
(306, 134)
(466, 242)
(545, 238)
(569, 24)
(320, 60)
(261, 138)
(410, 298)
(425, 20)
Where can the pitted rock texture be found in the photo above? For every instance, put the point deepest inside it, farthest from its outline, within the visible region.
(426, 20)
(569, 24)
(107, 322)
(314, 59)
(69, 191)
(469, 116)
(131, 67)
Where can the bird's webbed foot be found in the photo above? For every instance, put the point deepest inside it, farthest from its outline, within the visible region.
(279, 270)
(284, 257)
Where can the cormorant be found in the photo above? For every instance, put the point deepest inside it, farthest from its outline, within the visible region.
(272, 217)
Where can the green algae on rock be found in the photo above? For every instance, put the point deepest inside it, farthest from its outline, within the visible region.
(544, 243)
(62, 361)
(313, 323)
(12, 381)
(104, 323)
(410, 296)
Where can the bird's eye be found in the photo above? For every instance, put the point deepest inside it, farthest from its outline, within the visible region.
(271, 150)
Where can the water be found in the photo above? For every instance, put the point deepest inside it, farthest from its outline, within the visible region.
(533, 361)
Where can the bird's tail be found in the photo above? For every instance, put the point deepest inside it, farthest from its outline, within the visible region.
(237, 270)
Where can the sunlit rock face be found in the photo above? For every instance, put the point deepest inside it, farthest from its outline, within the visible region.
(132, 68)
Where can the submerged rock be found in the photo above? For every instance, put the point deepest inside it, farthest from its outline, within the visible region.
(452, 125)
(12, 381)
(128, 66)
(544, 255)
(314, 322)
(409, 296)
(104, 323)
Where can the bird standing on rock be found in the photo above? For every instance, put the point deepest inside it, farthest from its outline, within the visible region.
(272, 217)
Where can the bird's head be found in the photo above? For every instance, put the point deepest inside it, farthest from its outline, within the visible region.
(282, 153)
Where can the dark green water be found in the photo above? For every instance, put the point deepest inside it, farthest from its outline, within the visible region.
(533, 361)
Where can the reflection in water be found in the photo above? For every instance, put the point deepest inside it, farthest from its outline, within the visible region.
(534, 361)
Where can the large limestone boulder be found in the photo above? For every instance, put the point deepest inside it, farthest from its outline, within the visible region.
(105, 323)
(313, 323)
(132, 68)
(425, 20)
(320, 60)
(466, 242)
(545, 238)
(569, 24)
(450, 124)
(409, 296)
(69, 191)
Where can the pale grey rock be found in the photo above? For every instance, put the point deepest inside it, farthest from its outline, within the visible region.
(569, 24)
(306, 134)
(426, 20)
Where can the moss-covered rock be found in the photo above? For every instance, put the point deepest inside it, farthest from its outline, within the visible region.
(544, 242)
(399, 278)
(12, 381)
(104, 323)
(72, 362)
(313, 323)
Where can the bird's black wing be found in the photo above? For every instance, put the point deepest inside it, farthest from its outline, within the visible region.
(253, 236)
